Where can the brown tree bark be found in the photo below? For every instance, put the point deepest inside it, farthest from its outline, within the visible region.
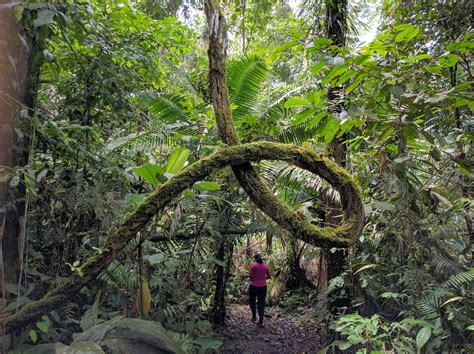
(341, 236)
(13, 97)
(239, 157)
(332, 264)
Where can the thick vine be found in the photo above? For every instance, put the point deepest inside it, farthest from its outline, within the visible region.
(253, 185)
(239, 157)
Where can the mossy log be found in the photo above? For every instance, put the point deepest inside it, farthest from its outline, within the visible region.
(341, 236)
(258, 192)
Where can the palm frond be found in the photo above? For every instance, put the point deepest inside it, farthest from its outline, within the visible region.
(168, 108)
(291, 174)
(296, 135)
(245, 78)
(459, 280)
(430, 302)
(445, 266)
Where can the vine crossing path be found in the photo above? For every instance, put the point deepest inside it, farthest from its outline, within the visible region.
(281, 334)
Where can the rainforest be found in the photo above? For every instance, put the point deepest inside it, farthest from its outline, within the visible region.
(169, 169)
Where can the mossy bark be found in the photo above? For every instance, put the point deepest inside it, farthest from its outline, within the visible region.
(254, 186)
(237, 156)
(341, 236)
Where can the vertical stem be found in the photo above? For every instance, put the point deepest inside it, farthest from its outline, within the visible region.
(244, 5)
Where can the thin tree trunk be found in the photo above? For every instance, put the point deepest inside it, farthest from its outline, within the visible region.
(297, 275)
(332, 263)
(222, 274)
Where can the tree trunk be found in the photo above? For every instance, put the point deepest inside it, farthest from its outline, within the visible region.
(296, 276)
(332, 263)
(222, 273)
(14, 95)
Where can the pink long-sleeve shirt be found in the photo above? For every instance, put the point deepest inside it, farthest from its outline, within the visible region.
(258, 274)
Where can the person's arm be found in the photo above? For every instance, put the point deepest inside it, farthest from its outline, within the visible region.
(267, 273)
(251, 272)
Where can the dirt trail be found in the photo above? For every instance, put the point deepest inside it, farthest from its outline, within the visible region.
(281, 334)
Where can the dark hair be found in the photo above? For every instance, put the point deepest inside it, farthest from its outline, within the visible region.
(258, 258)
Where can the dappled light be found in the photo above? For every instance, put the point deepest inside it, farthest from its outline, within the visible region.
(240, 176)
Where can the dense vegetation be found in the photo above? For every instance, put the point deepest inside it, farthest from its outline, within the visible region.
(109, 103)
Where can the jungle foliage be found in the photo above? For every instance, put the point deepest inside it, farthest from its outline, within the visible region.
(123, 105)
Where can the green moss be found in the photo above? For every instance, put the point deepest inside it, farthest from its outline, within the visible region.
(239, 157)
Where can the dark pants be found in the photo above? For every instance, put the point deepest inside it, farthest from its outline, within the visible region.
(258, 294)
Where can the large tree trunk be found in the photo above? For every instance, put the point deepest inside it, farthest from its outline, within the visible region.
(341, 236)
(14, 95)
(239, 157)
(332, 263)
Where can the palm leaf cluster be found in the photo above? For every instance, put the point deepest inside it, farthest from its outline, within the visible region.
(245, 78)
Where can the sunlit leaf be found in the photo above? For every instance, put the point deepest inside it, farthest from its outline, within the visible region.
(176, 160)
(149, 173)
(206, 186)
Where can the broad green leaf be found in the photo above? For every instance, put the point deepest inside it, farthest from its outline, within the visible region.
(434, 69)
(155, 258)
(449, 60)
(42, 326)
(19, 301)
(316, 97)
(346, 76)
(149, 173)
(353, 85)
(409, 32)
(423, 337)
(419, 57)
(19, 9)
(176, 160)
(317, 68)
(330, 129)
(316, 119)
(334, 72)
(206, 186)
(12, 288)
(33, 335)
(217, 261)
(318, 44)
(303, 116)
(380, 47)
(465, 46)
(285, 46)
(296, 102)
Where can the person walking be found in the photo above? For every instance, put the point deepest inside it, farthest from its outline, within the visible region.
(258, 274)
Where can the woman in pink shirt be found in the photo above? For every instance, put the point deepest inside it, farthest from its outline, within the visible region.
(258, 274)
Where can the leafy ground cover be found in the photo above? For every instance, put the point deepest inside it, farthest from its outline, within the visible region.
(281, 334)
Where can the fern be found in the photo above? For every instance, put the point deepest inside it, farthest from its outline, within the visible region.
(245, 78)
(168, 108)
(430, 302)
(445, 266)
(459, 280)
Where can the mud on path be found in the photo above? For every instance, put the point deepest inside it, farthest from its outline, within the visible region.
(281, 333)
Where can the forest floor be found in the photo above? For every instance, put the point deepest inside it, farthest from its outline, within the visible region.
(281, 334)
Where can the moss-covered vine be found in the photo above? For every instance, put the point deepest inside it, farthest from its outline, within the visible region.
(238, 156)
(341, 236)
